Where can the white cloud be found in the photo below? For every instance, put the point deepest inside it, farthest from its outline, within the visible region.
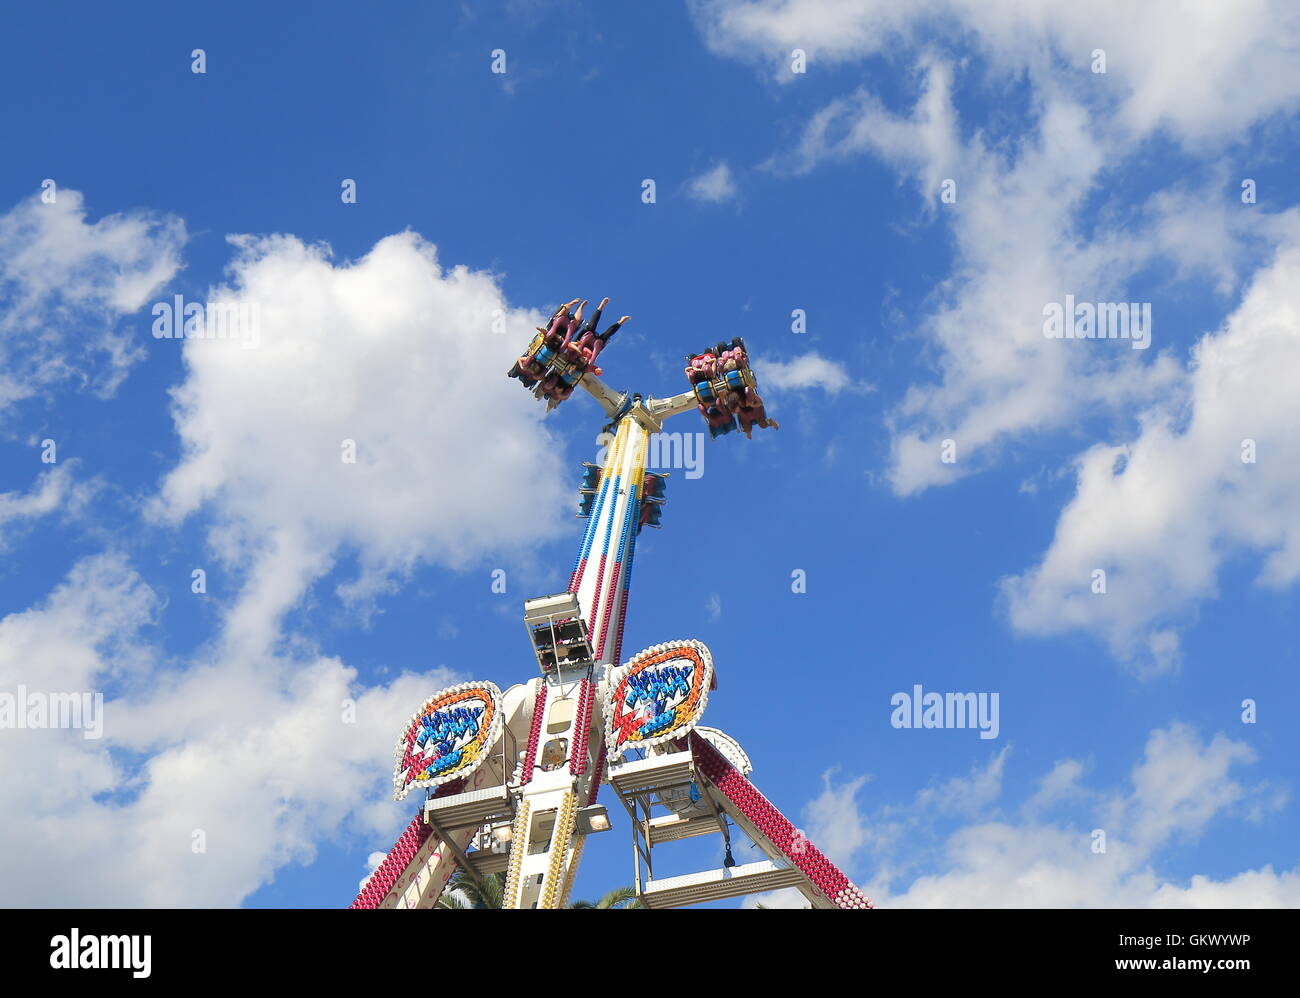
(826, 29)
(372, 864)
(811, 370)
(833, 815)
(968, 795)
(1031, 224)
(1160, 514)
(55, 490)
(714, 185)
(260, 759)
(395, 353)
(926, 142)
(247, 744)
(1200, 70)
(83, 631)
(1062, 783)
(1019, 859)
(714, 606)
(65, 284)
(1020, 238)
(1018, 247)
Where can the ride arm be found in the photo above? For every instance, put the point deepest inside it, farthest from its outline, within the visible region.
(661, 409)
(610, 400)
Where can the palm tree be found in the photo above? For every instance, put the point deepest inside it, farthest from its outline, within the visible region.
(619, 897)
(463, 891)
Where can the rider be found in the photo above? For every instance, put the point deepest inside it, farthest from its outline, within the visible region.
(751, 416)
(567, 338)
(602, 339)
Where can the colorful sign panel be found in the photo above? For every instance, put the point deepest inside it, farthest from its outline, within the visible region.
(658, 696)
(447, 738)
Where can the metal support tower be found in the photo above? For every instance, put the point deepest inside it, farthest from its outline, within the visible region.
(529, 805)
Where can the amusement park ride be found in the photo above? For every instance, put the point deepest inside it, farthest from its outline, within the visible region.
(511, 779)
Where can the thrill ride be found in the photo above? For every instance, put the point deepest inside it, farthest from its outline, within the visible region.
(511, 779)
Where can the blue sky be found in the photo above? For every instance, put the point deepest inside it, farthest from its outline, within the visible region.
(776, 190)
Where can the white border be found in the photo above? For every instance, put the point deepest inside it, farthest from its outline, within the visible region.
(728, 746)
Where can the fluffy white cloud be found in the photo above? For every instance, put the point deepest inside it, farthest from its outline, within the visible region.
(1019, 246)
(254, 752)
(714, 185)
(1161, 513)
(1017, 858)
(65, 284)
(811, 370)
(253, 764)
(404, 359)
(1019, 217)
(1199, 69)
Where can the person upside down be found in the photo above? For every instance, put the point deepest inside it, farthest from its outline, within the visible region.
(569, 349)
(729, 405)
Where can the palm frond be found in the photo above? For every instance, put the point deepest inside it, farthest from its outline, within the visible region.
(619, 897)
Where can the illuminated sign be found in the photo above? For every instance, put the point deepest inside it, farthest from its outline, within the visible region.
(447, 738)
(658, 696)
